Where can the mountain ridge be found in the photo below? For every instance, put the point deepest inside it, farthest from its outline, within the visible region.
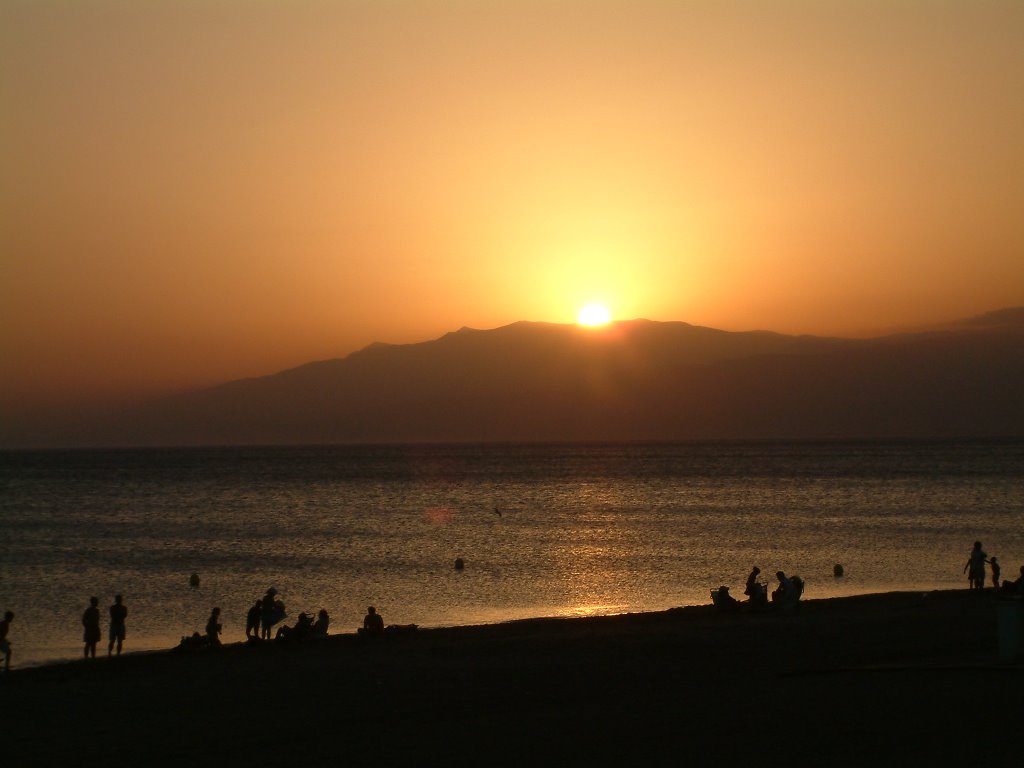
(631, 380)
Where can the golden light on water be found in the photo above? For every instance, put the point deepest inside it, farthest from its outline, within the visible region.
(594, 315)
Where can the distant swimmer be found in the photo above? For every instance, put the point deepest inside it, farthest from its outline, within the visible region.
(497, 512)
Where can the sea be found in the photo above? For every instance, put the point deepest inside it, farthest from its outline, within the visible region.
(542, 530)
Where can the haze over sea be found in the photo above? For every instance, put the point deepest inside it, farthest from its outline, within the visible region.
(544, 530)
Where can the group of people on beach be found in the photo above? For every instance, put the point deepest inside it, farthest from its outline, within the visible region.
(268, 611)
(786, 594)
(975, 570)
(93, 634)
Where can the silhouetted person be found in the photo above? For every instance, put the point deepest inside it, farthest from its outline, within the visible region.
(118, 614)
(322, 623)
(252, 621)
(91, 622)
(995, 571)
(213, 628)
(302, 629)
(722, 599)
(786, 591)
(373, 624)
(752, 589)
(1014, 587)
(271, 612)
(975, 567)
(5, 644)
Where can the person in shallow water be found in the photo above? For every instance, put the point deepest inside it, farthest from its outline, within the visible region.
(118, 614)
(91, 622)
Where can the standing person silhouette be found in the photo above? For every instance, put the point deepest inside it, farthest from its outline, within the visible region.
(994, 562)
(213, 628)
(118, 614)
(5, 644)
(252, 621)
(975, 567)
(91, 622)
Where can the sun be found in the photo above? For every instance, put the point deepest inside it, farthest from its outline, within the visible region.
(594, 315)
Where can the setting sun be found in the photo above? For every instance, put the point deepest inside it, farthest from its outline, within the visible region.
(593, 315)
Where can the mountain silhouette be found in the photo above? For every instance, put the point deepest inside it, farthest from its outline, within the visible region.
(633, 380)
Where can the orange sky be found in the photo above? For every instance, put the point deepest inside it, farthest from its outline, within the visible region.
(196, 192)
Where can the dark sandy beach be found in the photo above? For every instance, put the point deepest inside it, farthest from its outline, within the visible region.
(900, 678)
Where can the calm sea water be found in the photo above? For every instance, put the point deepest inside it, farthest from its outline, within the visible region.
(592, 529)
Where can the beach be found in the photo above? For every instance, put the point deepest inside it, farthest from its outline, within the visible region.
(906, 677)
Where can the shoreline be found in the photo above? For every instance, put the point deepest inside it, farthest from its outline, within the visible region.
(874, 677)
(101, 656)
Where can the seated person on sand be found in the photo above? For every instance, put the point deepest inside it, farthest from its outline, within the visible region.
(756, 592)
(722, 599)
(320, 626)
(302, 629)
(785, 593)
(1010, 588)
(373, 624)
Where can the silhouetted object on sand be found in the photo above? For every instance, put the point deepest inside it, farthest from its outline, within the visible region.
(721, 599)
(118, 615)
(195, 642)
(373, 624)
(303, 628)
(5, 644)
(91, 622)
(193, 581)
(975, 567)
(837, 571)
(213, 628)
(994, 563)
(252, 621)
(459, 564)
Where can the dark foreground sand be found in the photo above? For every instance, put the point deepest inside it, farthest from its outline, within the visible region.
(896, 679)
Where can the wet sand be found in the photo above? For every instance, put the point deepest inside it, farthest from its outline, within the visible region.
(899, 678)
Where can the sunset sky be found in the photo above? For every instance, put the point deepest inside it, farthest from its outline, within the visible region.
(192, 192)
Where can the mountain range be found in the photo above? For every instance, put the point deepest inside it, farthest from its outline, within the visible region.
(632, 380)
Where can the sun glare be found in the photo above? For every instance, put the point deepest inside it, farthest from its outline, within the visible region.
(593, 315)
